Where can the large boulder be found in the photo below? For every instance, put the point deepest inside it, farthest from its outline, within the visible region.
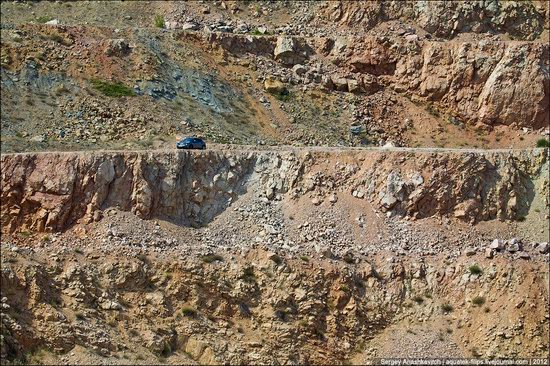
(286, 51)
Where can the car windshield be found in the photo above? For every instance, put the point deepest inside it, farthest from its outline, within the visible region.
(189, 139)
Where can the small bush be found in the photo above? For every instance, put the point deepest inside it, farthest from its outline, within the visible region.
(543, 143)
(159, 21)
(248, 274)
(305, 258)
(46, 238)
(188, 312)
(43, 19)
(281, 314)
(475, 269)
(79, 315)
(212, 258)
(432, 110)
(478, 300)
(113, 89)
(59, 39)
(348, 258)
(283, 97)
(78, 251)
(256, 32)
(418, 299)
(167, 350)
(447, 308)
(487, 309)
(133, 332)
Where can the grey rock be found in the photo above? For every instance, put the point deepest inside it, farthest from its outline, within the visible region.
(497, 244)
(543, 248)
(470, 251)
(285, 51)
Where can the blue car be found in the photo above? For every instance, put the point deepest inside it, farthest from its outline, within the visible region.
(191, 143)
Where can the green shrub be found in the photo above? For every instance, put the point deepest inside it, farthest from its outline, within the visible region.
(283, 97)
(113, 89)
(44, 19)
(305, 258)
(543, 143)
(159, 21)
(418, 299)
(212, 258)
(475, 269)
(188, 311)
(478, 300)
(447, 308)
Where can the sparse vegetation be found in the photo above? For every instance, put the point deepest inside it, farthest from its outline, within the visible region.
(305, 258)
(78, 251)
(447, 308)
(113, 89)
(475, 269)
(543, 143)
(418, 299)
(478, 300)
(79, 315)
(212, 258)
(159, 21)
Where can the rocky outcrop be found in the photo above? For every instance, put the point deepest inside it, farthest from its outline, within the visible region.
(524, 20)
(485, 83)
(51, 191)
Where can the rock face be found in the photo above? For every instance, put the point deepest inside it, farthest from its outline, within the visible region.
(480, 82)
(51, 191)
(202, 309)
(487, 82)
